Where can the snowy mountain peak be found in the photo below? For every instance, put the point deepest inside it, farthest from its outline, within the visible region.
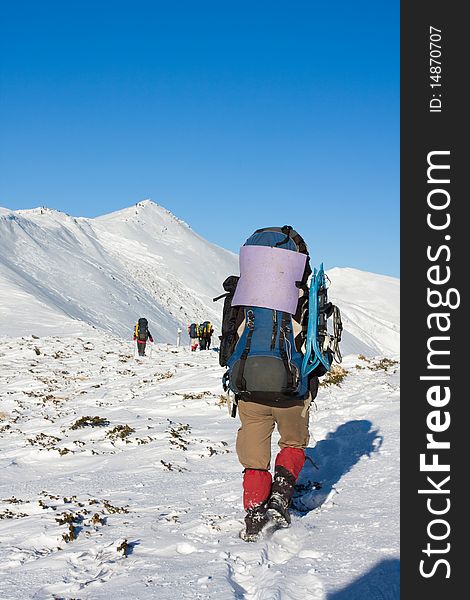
(147, 213)
(58, 272)
(62, 274)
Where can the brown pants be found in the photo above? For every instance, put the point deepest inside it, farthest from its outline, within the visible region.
(257, 425)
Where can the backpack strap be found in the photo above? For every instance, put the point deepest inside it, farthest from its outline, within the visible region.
(221, 296)
(285, 322)
(241, 382)
(274, 333)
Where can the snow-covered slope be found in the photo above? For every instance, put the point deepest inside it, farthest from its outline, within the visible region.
(178, 268)
(120, 480)
(58, 271)
(61, 275)
(370, 310)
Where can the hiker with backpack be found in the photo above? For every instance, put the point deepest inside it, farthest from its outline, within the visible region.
(206, 332)
(209, 336)
(266, 344)
(141, 335)
(193, 332)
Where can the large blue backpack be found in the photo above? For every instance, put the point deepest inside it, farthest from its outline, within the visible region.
(273, 355)
(262, 347)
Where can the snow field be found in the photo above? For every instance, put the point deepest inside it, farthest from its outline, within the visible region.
(120, 479)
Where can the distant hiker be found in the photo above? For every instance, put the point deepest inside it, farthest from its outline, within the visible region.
(210, 333)
(141, 335)
(206, 332)
(270, 344)
(193, 332)
(178, 336)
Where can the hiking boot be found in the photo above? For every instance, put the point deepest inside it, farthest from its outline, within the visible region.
(281, 494)
(255, 521)
(278, 511)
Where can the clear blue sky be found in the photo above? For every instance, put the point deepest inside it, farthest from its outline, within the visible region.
(232, 114)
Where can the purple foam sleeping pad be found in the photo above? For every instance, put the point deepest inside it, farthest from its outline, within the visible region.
(267, 278)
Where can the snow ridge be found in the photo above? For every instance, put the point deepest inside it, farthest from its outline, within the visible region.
(63, 274)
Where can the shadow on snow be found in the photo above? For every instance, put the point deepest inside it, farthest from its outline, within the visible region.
(330, 459)
(382, 582)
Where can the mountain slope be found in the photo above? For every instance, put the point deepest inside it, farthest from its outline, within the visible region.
(61, 275)
(370, 310)
(108, 272)
(159, 252)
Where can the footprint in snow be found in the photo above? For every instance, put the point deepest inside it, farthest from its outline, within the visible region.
(265, 571)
